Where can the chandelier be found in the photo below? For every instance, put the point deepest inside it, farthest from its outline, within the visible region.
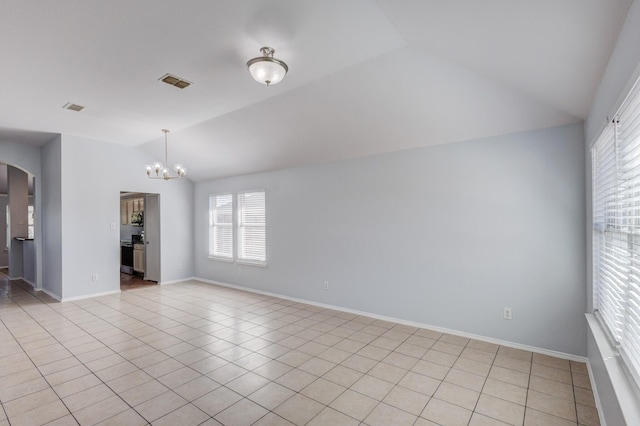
(266, 69)
(161, 171)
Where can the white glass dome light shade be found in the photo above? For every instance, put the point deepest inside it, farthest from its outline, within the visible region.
(266, 69)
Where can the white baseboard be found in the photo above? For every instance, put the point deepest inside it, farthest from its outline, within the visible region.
(542, 351)
(181, 280)
(88, 296)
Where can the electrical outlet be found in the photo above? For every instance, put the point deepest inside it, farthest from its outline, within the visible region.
(507, 314)
(94, 277)
(326, 285)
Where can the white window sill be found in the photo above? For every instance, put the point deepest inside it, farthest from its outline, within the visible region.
(627, 392)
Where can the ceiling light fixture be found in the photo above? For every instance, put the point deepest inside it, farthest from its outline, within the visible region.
(161, 171)
(266, 69)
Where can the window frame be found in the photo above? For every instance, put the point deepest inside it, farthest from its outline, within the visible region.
(213, 226)
(237, 228)
(615, 203)
(241, 227)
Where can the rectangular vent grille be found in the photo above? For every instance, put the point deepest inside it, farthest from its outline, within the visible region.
(175, 81)
(73, 107)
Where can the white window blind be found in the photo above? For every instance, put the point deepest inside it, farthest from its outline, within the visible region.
(251, 227)
(221, 226)
(616, 229)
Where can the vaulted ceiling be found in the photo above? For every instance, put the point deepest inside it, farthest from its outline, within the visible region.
(365, 77)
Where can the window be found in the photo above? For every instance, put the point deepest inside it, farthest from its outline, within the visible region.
(245, 239)
(221, 226)
(616, 229)
(251, 227)
(31, 222)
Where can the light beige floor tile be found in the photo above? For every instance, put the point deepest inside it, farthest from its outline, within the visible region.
(587, 416)
(509, 376)
(388, 372)
(270, 419)
(334, 355)
(88, 397)
(217, 400)
(400, 360)
(551, 373)
(163, 367)
(129, 381)
(424, 422)
(537, 418)
(252, 361)
(271, 395)
(21, 377)
(419, 383)
(316, 366)
(472, 366)
(100, 411)
(227, 373)
(482, 420)
(407, 400)
(67, 420)
(440, 358)
(296, 380)
(116, 371)
(483, 346)
(143, 392)
(384, 415)
(372, 387)
(505, 391)
(359, 363)
(579, 367)
(431, 369)
(160, 405)
(294, 358)
(464, 379)
(374, 352)
(40, 415)
(196, 388)
(584, 396)
(178, 377)
(551, 387)
(515, 353)
(443, 413)
(28, 402)
(354, 404)
(126, 418)
(54, 367)
(272, 369)
(247, 384)
(551, 361)
(457, 395)
(9, 393)
(581, 381)
(412, 350)
(478, 355)
(522, 366)
(329, 416)
(447, 348)
(453, 339)
(551, 405)
(208, 364)
(343, 376)
(241, 413)
(500, 409)
(323, 391)
(299, 409)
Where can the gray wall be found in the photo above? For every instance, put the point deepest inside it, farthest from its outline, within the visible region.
(90, 215)
(446, 235)
(621, 72)
(51, 191)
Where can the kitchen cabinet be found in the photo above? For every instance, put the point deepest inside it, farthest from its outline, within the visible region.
(130, 208)
(138, 258)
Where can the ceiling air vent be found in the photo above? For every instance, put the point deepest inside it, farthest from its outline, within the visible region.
(73, 107)
(175, 81)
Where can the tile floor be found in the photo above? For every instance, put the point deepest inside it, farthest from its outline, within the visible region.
(194, 353)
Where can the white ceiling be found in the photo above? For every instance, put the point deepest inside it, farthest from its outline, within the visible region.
(365, 77)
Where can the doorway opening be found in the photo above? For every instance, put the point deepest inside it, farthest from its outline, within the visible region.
(139, 240)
